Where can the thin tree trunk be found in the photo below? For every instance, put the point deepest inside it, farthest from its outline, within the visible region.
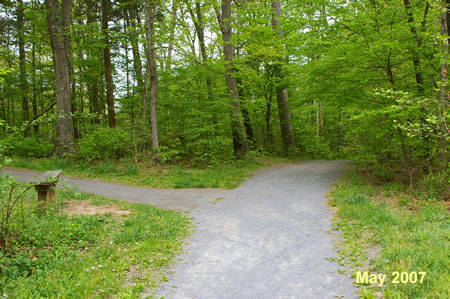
(150, 16)
(245, 114)
(108, 67)
(197, 18)
(284, 114)
(414, 52)
(3, 115)
(172, 35)
(137, 62)
(93, 80)
(64, 128)
(237, 123)
(444, 90)
(33, 66)
(22, 63)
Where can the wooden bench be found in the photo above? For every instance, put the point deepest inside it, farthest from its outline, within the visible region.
(45, 185)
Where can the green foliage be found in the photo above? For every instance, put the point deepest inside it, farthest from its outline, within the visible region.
(26, 146)
(104, 143)
(404, 144)
(4, 158)
(436, 186)
(55, 254)
(411, 236)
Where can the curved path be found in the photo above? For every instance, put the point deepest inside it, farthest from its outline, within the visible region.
(265, 239)
(172, 199)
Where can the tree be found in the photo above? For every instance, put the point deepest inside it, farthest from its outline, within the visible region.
(58, 34)
(150, 17)
(282, 93)
(444, 90)
(22, 59)
(237, 124)
(106, 6)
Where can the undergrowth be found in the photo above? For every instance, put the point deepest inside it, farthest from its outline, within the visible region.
(409, 233)
(59, 255)
(226, 176)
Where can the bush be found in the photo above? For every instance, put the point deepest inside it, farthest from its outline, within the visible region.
(103, 144)
(436, 185)
(26, 146)
(4, 159)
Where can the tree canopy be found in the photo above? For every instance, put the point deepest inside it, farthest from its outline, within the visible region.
(208, 81)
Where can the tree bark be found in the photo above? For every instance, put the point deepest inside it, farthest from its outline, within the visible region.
(66, 24)
(284, 114)
(414, 51)
(237, 123)
(245, 115)
(64, 128)
(150, 16)
(444, 90)
(172, 35)
(93, 78)
(108, 67)
(22, 66)
(137, 64)
(33, 67)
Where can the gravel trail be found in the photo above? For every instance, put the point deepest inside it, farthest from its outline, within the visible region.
(172, 199)
(266, 239)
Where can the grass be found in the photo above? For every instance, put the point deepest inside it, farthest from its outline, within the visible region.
(410, 235)
(60, 255)
(225, 176)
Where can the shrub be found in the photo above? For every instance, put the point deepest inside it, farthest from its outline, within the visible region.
(26, 146)
(4, 159)
(436, 185)
(104, 143)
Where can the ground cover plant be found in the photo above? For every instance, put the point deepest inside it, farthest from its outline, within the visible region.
(86, 246)
(220, 175)
(388, 228)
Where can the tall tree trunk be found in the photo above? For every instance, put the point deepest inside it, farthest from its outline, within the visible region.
(64, 128)
(108, 67)
(23, 70)
(444, 90)
(245, 114)
(33, 66)
(237, 123)
(150, 16)
(93, 80)
(172, 35)
(67, 23)
(414, 51)
(284, 114)
(199, 24)
(137, 64)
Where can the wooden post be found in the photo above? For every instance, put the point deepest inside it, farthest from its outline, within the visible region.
(45, 186)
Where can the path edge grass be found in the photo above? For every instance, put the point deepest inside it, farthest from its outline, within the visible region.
(385, 228)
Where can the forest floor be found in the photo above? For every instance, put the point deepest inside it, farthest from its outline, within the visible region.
(267, 238)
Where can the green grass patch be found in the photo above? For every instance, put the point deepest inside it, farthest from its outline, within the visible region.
(412, 236)
(225, 176)
(68, 253)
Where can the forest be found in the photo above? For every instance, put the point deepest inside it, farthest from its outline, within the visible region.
(199, 93)
(208, 82)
